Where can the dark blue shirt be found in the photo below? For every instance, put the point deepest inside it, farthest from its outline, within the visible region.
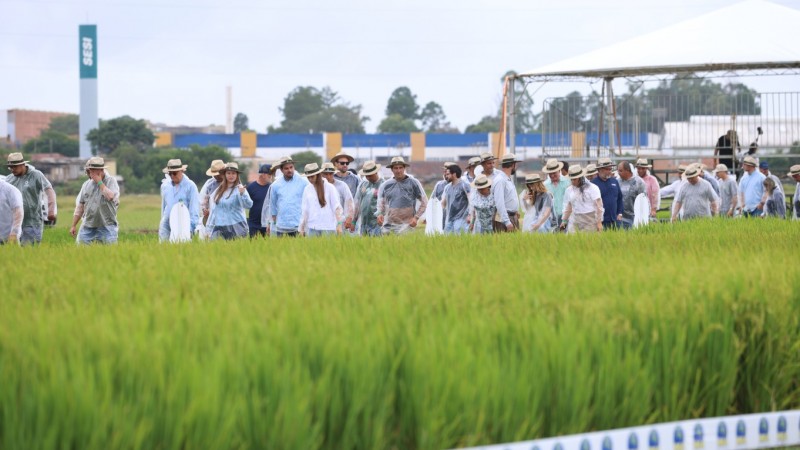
(611, 194)
(257, 193)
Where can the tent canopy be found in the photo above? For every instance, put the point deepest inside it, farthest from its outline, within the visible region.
(749, 36)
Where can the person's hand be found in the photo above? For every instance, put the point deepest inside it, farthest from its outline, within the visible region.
(205, 213)
(12, 238)
(413, 222)
(380, 220)
(563, 226)
(619, 217)
(510, 227)
(761, 206)
(348, 224)
(599, 226)
(653, 212)
(730, 213)
(339, 230)
(241, 188)
(72, 231)
(96, 177)
(267, 227)
(51, 217)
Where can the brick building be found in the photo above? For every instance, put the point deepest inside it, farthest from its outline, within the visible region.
(21, 125)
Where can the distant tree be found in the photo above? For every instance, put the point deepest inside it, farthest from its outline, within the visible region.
(403, 103)
(240, 123)
(395, 123)
(52, 142)
(434, 120)
(310, 110)
(302, 158)
(112, 133)
(68, 124)
(487, 124)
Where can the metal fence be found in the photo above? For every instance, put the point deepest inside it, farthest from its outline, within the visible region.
(581, 126)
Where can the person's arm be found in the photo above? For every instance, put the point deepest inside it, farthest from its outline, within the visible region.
(245, 200)
(675, 211)
(356, 206)
(544, 216)
(17, 214)
(423, 205)
(381, 206)
(500, 203)
(76, 217)
(303, 215)
(348, 211)
(620, 204)
(598, 213)
(567, 213)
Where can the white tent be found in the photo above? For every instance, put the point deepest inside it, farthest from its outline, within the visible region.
(751, 35)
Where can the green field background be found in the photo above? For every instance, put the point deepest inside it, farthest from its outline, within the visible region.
(399, 342)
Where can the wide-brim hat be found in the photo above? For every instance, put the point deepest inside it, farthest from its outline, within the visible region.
(448, 164)
(602, 163)
(342, 155)
(231, 167)
(369, 168)
(174, 165)
(533, 178)
(398, 160)
(552, 166)
(311, 169)
(794, 170)
(327, 167)
(474, 161)
(692, 171)
(642, 162)
(591, 169)
(749, 160)
(508, 158)
(481, 182)
(95, 162)
(682, 168)
(486, 156)
(15, 159)
(282, 161)
(576, 172)
(216, 166)
(720, 168)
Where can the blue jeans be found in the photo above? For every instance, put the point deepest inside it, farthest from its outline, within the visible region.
(312, 232)
(367, 230)
(752, 213)
(101, 235)
(458, 226)
(31, 235)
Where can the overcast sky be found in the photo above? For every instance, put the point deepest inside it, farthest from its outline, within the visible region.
(170, 60)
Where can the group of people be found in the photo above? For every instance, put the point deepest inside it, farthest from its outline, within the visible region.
(331, 199)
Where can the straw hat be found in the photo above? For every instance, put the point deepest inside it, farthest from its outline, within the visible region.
(369, 168)
(682, 168)
(474, 161)
(794, 170)
(311, 170)
(231, 167)
(692, 171)
(327, 167)
(342, 155)
(602, 163)
(642, 162)
(486, 156)
(508, 158)
(398, 160)
(482, 181)
(281, 161)
(591, 169)
(533, 178)
(95, 162)
(575, 172)
(721, 168)
(552, 166)
(216, 166)
(448, 164)
(175, 165)
(749, 160)
(15, 159)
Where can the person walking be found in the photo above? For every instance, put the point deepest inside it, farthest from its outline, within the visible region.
(728, 189)
(651, 183)
(208, 188)
(345, 198)
(631, 187)
(775, 206)
(397, 197)
(177, 189)
(505, 196)
(751, 189)
(482, 210)
(583, 207)
(342, 163)
(11, 213)
(285, 199)
(556, 185)
(469, 175)
(96, 205)
(366, 201)
(591, 172)
(538, 206)
(258, 191)
(610, 194)
(321, 212)
(696, 199)
(794, 172)
(32, 184)
(456, 202)
(229, 201)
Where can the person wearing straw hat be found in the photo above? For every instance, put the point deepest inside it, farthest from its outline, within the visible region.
(706, 175)
(320, 210)
(345, 198)
(366, 201)
(610, 194)
(775, 206)
(696, 199)
(97, 205)
(397, 199)
(435, 216)
(672, 189)
(591, 172)
(556, 185)
(456, 202)
(650, 182)
(763, 167)
(469, 175)
(482, 209)
(32, 184)
(258, 190)
(285, 199)
(228, 201)
(488, 162)
(631, 187)
(727, 191)
(751, 189)
(341, 161)
(794, 172)
(11, 213)
(505, 196)
(538, 206)
(583, 207)
(177, 189)
(210, 186)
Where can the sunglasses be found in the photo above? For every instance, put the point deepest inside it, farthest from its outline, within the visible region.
(344, 163)
(173, 174)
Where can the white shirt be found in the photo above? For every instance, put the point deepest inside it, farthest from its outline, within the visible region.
(315, 217)
(582, 203)
(10, 200)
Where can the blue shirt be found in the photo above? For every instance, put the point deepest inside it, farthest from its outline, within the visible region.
(186, 192)
(285, 200)
(752, 185)
(611, 193)
(557, 191)
(257, 193)
(229, 210)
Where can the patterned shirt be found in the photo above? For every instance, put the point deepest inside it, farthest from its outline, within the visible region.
(350, 180)
(31, 185)
(98, 211)
(484, 212)
(367, 203)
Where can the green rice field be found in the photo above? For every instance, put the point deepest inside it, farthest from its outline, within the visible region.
(404, 342)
